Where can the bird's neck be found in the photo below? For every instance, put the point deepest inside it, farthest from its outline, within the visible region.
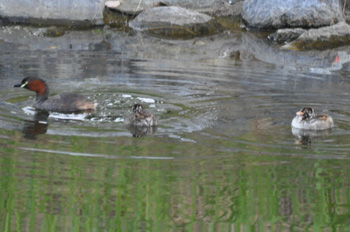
(42, 93)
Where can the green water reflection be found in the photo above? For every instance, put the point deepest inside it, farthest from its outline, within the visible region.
(191, 188)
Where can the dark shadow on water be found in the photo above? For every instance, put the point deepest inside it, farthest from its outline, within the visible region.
(35, 127)
(140, 131)
(39, 124)
(307, 137)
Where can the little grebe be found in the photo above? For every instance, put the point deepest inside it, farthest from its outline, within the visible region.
(140, 118)
(307, 119)
(63, 103)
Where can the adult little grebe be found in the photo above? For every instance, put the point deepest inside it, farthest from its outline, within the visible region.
(140, 118)
(63, 103)
(307, 119)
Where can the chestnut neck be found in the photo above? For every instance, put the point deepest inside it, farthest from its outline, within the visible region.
(41, 89)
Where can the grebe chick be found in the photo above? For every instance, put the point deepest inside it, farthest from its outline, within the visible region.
(63, 103)
(307, 119)
(139, 117)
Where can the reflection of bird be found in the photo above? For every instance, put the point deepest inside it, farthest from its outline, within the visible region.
(140, 118)
(307, 119)
(140, 131)
(64, 102)
(36, 127)
(307, 137)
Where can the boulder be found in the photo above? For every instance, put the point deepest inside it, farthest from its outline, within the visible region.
(291, 13)
(136, 6)
(314, 61)
(322, 38)
(212, 7)
(174, 22)
(59, 12)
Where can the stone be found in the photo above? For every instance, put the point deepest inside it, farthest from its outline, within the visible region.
(291, 13)
(283, 36)
(211, 7)
(34, 38)
(134, 6)
(51, 32)
(59, 12)
(322, 38)
(314, 61)
(174, 22)
(112, 4)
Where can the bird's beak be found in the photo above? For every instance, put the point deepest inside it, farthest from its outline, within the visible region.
(21, 85)
(299, 113)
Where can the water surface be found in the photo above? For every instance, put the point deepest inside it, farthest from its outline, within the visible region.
(223, 158)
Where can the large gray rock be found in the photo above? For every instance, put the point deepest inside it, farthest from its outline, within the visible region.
(211, 7)
(174, 22)
(313, 61)
(322, 38)
(53, 11)
(136, 6)
(291, 13)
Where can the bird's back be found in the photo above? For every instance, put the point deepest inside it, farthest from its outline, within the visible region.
(66, 103)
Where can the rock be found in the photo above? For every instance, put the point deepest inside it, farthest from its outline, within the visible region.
(112, 4)
(283, 36)
(230, 10)
(135, 6)
(227, 15)
(33, 38)
(322, 38)
(211, 7)
(291, 13)
(309, 61)
(51, 32)
(175, 22)
(116, 19)
(59, 12)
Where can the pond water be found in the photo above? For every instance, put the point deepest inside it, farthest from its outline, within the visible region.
(223, 158)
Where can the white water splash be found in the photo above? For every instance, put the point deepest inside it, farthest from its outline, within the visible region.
(79, 117)
(126, 96)
(147, 100)
(29, 110)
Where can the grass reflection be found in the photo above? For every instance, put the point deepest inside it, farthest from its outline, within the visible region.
(43, 191)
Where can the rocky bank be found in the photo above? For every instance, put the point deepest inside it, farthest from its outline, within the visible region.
(304, 22)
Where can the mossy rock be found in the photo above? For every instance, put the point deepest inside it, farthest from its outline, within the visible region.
(320, 44)
(115, 19)
(322, 38)
(283, 36)
(230, 23)
(53, 32)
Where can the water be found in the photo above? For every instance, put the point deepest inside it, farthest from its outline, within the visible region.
(223, 158)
